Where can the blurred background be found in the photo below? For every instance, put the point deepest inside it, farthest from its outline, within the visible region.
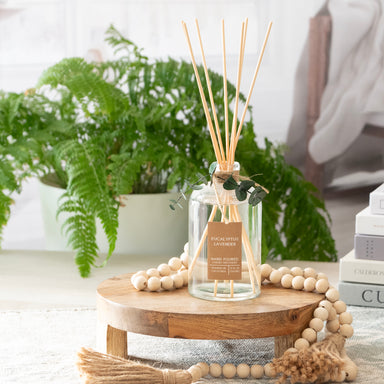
(37, 34)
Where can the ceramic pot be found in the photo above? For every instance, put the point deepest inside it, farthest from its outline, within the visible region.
(147, 226)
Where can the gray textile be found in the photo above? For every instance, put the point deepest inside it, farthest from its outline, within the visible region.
(352, 97)
(38, 347)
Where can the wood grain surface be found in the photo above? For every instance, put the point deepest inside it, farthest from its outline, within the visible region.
(276, 312)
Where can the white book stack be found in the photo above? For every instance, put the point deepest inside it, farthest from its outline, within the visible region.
(362, 270)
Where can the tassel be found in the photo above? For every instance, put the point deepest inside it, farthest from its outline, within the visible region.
(321, 362)
(100, 368)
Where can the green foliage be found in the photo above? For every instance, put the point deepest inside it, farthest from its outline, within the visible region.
(132, 125)
(295, 220)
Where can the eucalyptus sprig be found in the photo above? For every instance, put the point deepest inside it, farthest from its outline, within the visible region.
(245, 187)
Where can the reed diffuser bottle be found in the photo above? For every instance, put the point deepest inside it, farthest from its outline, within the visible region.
(224, 241)
(225, 215)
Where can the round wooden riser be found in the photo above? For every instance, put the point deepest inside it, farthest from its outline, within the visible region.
(278, 312)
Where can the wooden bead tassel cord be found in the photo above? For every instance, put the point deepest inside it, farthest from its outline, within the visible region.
(308, 361)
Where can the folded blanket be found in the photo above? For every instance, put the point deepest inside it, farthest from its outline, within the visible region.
(354, 94)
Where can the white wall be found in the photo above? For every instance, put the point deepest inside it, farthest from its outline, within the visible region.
(36, 34)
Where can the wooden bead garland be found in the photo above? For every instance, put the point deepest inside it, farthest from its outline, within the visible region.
(165, 277)
(330, 310)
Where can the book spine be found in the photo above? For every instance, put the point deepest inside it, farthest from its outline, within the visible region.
(367, 295)
(368, 224)
(369, 247)
(361, 271)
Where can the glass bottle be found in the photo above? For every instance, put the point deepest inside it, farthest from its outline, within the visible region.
(224, 242)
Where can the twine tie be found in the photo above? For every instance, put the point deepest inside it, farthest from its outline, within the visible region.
(169, 377)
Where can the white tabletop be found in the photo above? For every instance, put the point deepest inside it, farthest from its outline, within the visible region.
(46, 279)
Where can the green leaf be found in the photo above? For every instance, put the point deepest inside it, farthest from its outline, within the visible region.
(212, 168)
(230, 184)
(196, 187)
(257, 195)
(240, 194)
(246, 184)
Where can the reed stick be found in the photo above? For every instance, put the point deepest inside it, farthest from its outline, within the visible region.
(225, 91)
(202, 240)
(247, 243)
(204, 101)
(247, 250)
(234, 121)
(213, 107)
(253, 81)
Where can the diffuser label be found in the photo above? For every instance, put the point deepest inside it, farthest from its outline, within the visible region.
(224, 251)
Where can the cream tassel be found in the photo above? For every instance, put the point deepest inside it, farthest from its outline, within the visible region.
(320, 363)
(99, 368)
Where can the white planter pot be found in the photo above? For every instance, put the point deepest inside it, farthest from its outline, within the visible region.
(147, 226)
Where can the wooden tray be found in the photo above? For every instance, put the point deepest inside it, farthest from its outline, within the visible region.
(277, 312)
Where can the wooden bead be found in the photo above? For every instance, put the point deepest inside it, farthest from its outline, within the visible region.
(296, 271)
(301, 343)
(321, 275)
(184, 259)
(133, 277)
(166, 283)
(309, 284)
(322, 286)
(346, 330)
(140, 282)
(345, 318)
(298, 282)
(153, 272)
(326, 304)
(164, 269)
(309, 272)
(184, 275)
(316, 324)
(154, 284)
(286, 281)
(333, 325)
(269, 370)
(177, 280)
(275, 276)
(332, 295)
(284, 270)
(340, 306)
(229, 371)
(309, 334)
(350, 369)
(204, 368)
(292, 349)
(321, 313)
(175, 263)
(215, 370)
(332, 315)
(265, 270)
(143, 273)
(257, 371)
(195, 372)
(243, 371)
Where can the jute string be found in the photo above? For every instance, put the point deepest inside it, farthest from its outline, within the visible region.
(169, 377)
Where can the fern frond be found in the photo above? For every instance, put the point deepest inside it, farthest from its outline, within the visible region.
(80, 227)
(87, 181)
(124, 171)
(80, 79)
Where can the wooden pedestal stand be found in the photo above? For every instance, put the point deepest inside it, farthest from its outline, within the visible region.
(277, 312)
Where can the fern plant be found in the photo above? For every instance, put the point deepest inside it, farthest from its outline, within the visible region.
(132, 125)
